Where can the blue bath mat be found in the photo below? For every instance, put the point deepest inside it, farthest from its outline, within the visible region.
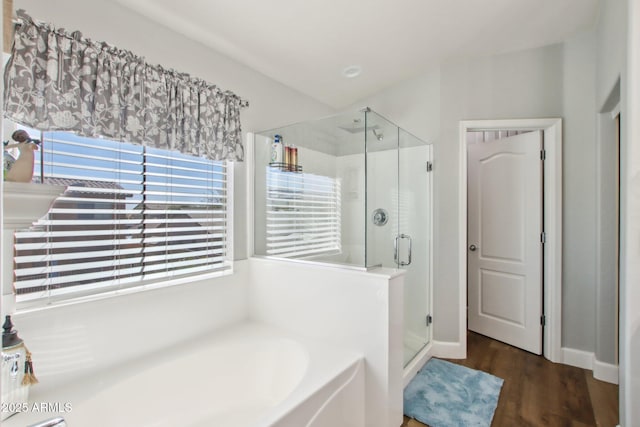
(444, 394)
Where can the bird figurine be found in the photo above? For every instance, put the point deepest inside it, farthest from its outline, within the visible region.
(22, 168)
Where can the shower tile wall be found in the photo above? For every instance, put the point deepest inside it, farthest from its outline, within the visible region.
(350, 169)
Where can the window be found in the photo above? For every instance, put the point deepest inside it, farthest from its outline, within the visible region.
(130, 214)
(303, 214)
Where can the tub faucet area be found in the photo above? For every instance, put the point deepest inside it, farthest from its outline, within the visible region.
(52, 422)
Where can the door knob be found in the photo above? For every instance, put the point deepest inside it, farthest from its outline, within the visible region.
(473, 248)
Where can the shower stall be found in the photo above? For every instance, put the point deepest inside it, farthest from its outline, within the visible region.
(352, 190)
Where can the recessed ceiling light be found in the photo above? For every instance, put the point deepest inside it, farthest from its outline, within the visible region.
(352, 71)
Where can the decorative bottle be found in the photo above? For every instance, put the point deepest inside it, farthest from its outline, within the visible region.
(277, 150)
(16, 368)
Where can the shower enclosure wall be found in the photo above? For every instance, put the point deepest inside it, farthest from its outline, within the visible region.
(357, 194)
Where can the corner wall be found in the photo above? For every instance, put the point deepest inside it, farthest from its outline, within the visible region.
(579, 195)
(618, 67)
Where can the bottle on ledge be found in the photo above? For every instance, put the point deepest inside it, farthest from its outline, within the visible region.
(277, 150)
(294, 158)
(287, 158)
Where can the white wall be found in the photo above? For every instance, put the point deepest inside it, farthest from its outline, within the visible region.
(271, 103)
(579, 192)
(611, 46)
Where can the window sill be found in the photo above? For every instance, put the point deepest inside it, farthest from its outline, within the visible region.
(43, 304)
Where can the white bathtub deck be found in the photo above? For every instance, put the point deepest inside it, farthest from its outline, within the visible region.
(246, 375)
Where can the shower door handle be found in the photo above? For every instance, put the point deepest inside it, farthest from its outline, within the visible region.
(406, 236)
(396, 256)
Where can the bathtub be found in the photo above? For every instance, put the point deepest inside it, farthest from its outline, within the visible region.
(247, 375)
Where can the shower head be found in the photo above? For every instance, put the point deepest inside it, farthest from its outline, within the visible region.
(357, 127)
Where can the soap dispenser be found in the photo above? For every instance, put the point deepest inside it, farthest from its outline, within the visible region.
(17, 372)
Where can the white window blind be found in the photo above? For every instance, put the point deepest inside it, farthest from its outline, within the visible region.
(130, 214)
(303, 214)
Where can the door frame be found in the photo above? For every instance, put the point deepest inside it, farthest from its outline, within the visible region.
(552, 214)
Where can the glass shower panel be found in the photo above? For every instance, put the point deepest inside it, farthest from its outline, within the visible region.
(414, 242)
(382, 190)
(312, 210)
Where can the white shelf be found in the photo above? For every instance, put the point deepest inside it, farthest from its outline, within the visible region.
(25, 203)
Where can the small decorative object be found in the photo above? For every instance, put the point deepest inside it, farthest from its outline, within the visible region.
(21, 169)
(29, 377)
(15, 381)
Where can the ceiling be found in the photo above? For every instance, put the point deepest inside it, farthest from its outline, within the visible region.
(306, 44)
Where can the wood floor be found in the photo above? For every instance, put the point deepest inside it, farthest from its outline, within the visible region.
(537, 392)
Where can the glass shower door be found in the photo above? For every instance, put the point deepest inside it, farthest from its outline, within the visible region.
(399, 219)
(414, 240)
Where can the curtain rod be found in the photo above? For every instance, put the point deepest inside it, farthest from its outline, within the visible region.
(17, 23)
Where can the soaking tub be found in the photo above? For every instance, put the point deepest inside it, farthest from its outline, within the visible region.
(247, 375)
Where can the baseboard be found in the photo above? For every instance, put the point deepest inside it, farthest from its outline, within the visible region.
(605, 372)
(578, 358)
(449, 350)
(587, 360)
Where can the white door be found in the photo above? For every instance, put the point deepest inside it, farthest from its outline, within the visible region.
(504, 257)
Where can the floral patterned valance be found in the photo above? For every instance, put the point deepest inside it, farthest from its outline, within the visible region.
(57, 80)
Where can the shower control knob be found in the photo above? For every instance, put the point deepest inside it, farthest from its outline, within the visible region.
(473, 248)
(380, 217)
